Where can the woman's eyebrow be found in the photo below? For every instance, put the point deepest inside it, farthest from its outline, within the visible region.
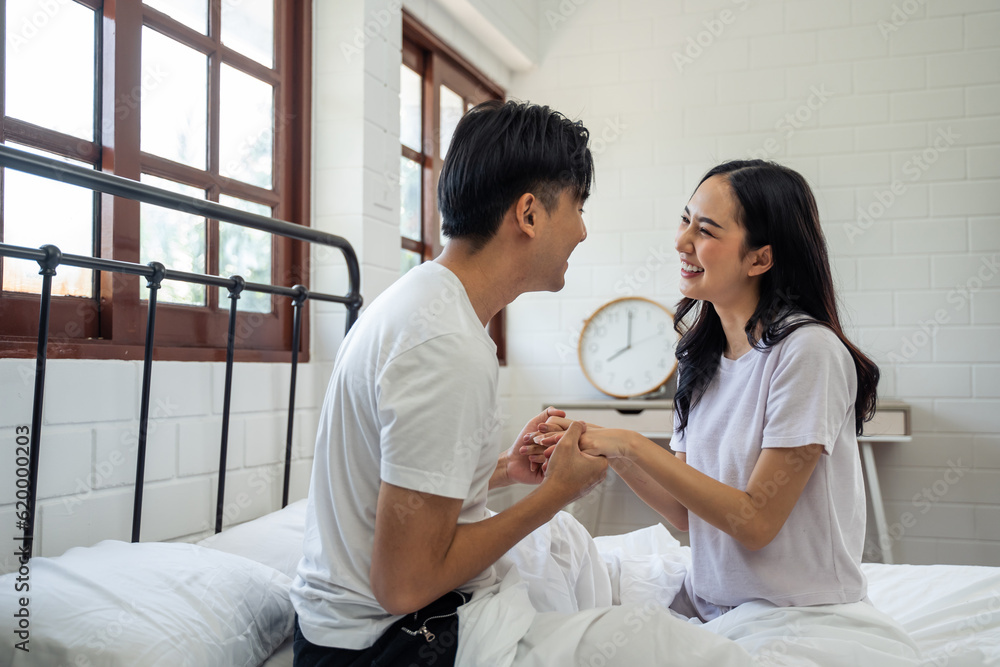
(704, 219)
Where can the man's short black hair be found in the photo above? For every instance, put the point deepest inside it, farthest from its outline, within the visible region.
(502, 150)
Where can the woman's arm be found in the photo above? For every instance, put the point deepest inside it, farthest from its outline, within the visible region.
(652, 493)
(752, 516)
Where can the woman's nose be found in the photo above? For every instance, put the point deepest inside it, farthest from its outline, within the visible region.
(681, 240)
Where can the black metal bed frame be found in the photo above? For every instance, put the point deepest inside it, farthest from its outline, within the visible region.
(49, 257)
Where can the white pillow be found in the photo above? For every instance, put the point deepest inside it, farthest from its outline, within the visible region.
(274, 539)
(151, 604)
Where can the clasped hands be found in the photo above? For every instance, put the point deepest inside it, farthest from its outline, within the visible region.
(538, 445)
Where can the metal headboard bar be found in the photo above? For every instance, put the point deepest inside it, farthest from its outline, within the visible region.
(143, 192)
(234, 297)
(147, 375)
(296, 336)
(49, 257)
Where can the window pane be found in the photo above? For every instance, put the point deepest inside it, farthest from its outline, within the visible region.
(248, 27)
(246, 130)
(452, 109)
(410, 85)
(192, 13)
(245, 252)
(176, 240)
(407, 260)
(37, 211)
(44, 85)
(174, 104)
(409, 198)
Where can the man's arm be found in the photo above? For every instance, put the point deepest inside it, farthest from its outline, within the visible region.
(420, 552)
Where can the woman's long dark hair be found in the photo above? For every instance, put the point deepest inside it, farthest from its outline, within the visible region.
(776, 208)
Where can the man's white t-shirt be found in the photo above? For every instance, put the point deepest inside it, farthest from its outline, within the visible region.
(800, 391)
(413, 402)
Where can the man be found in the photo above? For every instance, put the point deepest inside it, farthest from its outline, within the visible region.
(407, 440)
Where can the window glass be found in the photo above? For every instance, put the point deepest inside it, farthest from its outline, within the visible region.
(37, 211)
(174, 107)
(407, 260)
(248, 27)
(409, 199)
(174, 239)
(246, 129)
(245, 252)
(452, 109)
(42, 85)
(410, 85)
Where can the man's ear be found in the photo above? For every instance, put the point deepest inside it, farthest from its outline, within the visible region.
(525, 210)
(763, 261)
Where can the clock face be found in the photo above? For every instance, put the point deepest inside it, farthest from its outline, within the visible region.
(627, 347)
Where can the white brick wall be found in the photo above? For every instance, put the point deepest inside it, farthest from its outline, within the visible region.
(892, 84)
(88, 449)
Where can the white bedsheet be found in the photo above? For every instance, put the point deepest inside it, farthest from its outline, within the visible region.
(567, 599)
(644, 570)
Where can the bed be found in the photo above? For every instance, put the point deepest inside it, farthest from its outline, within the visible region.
(225, 601)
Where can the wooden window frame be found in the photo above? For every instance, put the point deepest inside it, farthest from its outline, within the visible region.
(439, 64)
(112, 324)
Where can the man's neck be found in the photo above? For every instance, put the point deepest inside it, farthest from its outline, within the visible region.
(487, 277)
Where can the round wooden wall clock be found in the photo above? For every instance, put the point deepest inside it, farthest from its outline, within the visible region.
(627, 347)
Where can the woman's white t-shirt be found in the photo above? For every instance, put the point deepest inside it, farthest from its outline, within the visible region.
(800, 391)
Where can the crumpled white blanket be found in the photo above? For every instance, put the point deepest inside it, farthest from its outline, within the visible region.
(567, 599)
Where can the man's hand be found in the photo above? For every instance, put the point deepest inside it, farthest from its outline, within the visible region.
(538, 445)
(576, 472)
(514, 466)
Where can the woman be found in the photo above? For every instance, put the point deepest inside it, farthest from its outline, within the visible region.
(771, 398)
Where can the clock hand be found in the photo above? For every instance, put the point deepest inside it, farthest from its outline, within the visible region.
(648, 338)
(629, 343)
(624, 349)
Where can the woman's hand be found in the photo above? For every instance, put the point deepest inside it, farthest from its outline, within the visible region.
(596, 441)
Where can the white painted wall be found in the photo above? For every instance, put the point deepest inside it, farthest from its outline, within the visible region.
(671, 87)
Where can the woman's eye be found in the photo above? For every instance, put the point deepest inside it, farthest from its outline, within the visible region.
(684, 220)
